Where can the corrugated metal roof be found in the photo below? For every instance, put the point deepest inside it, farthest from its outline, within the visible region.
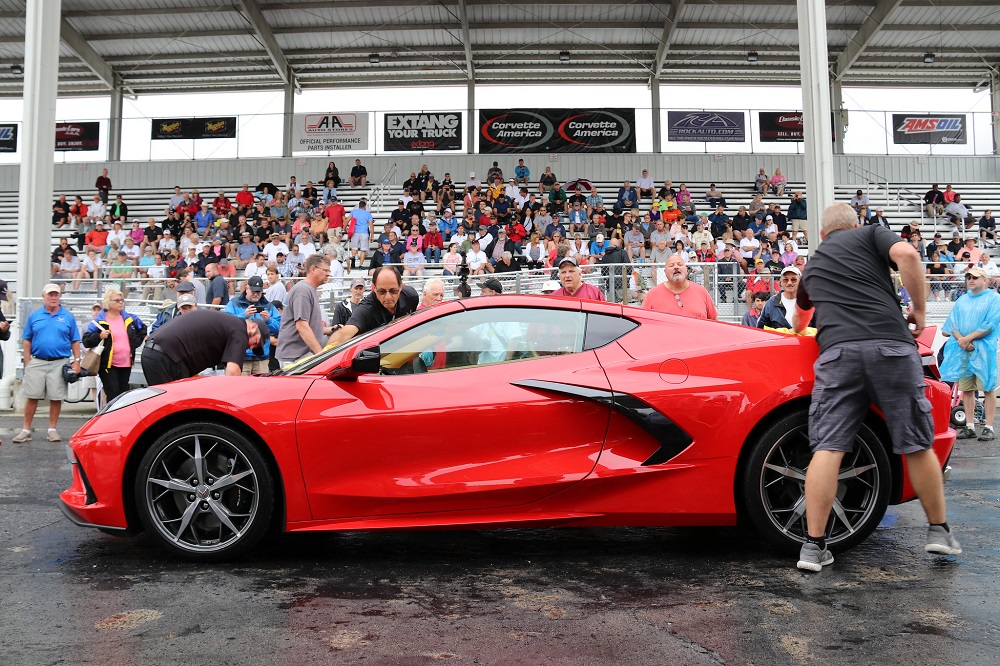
(156, 44)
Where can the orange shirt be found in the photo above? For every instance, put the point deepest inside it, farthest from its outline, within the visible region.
(694, 301)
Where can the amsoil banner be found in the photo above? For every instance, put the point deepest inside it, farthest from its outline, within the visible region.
(423, 131)
(78, 136)
(725, 126)
(557, 130)
(194, 128)
(928, 129)
(330, 131)
(8, 138)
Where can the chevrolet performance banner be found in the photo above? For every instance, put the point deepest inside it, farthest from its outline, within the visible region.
(330, 131)
(8, 138)
(724, 126)
(928, 129)
(78, 136)
(423, 131)
(557, 130)
(194, 128)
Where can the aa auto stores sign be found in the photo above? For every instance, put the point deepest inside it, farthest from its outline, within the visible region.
(324, 132)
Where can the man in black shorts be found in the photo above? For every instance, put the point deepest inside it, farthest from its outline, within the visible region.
(388, 300)
(184, 346)
(867, 355)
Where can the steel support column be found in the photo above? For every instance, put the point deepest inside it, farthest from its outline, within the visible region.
(995, 108)
(473, 120)
(287, 118)
(115, 125)
(837, 104)
(654, 90)
(41, 71)
(814, 62)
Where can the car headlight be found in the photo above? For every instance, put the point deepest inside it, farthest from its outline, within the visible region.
(130, 398)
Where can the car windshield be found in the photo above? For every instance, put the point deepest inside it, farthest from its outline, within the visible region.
(310, 362)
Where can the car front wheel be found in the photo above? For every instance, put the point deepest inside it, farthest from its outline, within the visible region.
(774, 486)
(205, 492)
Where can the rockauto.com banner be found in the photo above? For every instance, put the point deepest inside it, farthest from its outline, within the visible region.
(928, 129)
(78, 136)
(725, 126)
(330, 131)
(557, 130)
(8, 138)
(194, 128)
(423, 131)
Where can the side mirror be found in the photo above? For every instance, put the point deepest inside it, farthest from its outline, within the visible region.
(367, 361)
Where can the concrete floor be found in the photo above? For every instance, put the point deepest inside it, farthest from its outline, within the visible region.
(576, 596)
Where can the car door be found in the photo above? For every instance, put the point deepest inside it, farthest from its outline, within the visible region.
(477, 409)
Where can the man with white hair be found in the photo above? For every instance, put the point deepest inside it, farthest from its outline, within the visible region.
(677, 295)
(571, 279)
(433, 293)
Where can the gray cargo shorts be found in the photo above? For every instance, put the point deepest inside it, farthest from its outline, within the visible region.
(851, 376)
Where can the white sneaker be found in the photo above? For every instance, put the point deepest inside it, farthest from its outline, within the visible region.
(23, 436)
(53, 435)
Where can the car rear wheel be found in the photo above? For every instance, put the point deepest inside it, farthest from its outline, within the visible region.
(774, 486)
(204, 492)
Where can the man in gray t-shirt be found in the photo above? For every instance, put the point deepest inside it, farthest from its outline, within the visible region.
(302, 329)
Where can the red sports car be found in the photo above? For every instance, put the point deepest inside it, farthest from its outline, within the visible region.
(488, 412)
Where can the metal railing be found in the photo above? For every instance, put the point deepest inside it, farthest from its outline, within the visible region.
(382, 190)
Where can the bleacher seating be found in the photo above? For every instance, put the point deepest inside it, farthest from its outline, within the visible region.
(901, 204)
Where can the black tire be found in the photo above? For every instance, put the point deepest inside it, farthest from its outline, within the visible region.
(959, 418)
(179, 499)
(774, 486)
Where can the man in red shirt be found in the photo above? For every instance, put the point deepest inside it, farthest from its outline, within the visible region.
(222, 204)
(97, 238)
(334, 213)
(571, 278)
(245, 197)
(676, 295)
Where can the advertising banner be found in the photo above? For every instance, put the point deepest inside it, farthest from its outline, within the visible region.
(194, 128)
(78, 136)
(780, 126)
(928, 129)
(557, 130)
(423, 131)
(330, 131)
(8, 138)
(724, 126)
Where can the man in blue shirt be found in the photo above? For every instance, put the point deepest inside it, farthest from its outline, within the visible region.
(628, 196)
(252, 303)
(50, 338)
(205, 217)
(522, 172)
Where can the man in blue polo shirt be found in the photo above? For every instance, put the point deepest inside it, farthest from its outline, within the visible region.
(50, 337)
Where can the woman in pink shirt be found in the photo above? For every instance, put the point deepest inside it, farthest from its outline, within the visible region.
(122, 333)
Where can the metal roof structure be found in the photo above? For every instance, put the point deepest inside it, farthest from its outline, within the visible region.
(166, 46)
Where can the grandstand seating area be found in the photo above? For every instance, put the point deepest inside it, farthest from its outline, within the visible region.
(901, 204)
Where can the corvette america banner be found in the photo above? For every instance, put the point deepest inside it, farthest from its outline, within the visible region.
(557, 130)
(928, 129)
(194, 128)
(723, 126)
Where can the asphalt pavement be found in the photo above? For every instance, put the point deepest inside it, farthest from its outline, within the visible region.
(574, 596)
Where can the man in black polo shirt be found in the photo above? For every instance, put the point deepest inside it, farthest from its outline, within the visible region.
(184, 346)
(388, 300)
(867, 355)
